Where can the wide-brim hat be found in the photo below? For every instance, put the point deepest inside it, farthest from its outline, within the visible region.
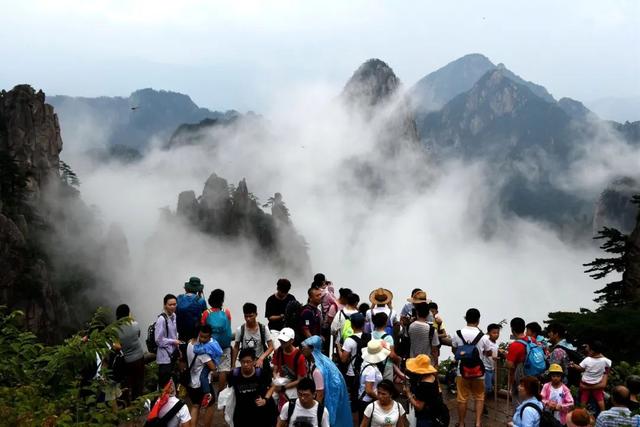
(418, 298)
(381, 296)
(421, 365)
(376, 351)
(554, 368)
(194, 285)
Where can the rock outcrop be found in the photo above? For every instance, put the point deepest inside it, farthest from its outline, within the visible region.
(228, 212)
(50, 245)
(614, 208)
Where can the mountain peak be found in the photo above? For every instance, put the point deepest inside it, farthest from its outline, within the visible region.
(373, 82)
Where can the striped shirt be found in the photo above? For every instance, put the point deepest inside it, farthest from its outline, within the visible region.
(617, 417)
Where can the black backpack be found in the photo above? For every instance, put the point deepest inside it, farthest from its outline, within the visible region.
(379, 365)
(361, 342)
(116, 365)
(152, 346)
(292, 407)
(546, 418)
(164, 420)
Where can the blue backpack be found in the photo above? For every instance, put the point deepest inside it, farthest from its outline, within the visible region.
(535, 362)
(188, 313)
(220, 327)
(468, 357)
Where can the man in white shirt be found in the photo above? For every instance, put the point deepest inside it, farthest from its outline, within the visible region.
(182, 418)
(471, 387)
(304, 411)
(196, 365)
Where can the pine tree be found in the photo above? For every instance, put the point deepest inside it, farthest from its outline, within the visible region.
(68, 176)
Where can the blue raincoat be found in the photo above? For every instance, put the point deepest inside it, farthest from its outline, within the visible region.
(336, 397)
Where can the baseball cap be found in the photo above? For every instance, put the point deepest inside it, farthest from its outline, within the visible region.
(286, 335)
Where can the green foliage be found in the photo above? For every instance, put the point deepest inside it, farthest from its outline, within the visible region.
(615, 327)
(54, 385)
(616, 243)
(68, 176)
(622, 371)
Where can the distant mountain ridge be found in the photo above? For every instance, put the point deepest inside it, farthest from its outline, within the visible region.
(131, 121)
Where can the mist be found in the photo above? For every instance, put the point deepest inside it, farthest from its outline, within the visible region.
(429, 235)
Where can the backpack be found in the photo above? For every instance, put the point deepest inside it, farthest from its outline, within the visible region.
(116, 365)
(373, 409)
(292, 407)
(263, 341)
(188, 313)
(389, 328)
(347, 330)
(357, 360)
(546, 418)
(279, 359)
(220, 328)
(535, 362)
(468, 355)
(163, 421)
(292, 318)
(236, 374)
(152, 346)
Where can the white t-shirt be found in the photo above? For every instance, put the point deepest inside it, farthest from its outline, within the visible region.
(252, 339)
(594, 369)
(181, 417)
(351, 347)
(303, 414)
(382, 418)
(469, 333)
(370, 374)
(488, 360)
(197, 367)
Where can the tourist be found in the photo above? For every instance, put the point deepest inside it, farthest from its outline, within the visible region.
(168, 410)
(289, 365)
(311, 317)
(350, 359)
(529, 411)
(516, 355)
(335, 396)
(305, 410)
(408, 316)
(379, 333)
(559, 350)
(423, 392)
(490, 357)
(255, 335)
(385, 411)
(343, 294)
(166, 338)
(381, 302)
(252, 389)
(633, 384)
(468, 344)
(220, 321)
(580, 417)
(422, 335)
(338, 328)
(129, 344)
(276, 305)
(619, 415)
(374, 357)
(556, 397)
(189, 310)
(438, 323)
(595, 372)
(199, 387)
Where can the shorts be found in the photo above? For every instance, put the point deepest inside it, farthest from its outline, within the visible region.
(196, 395)
(469, 388)
(351, 382)
(225, 360)
(585, 394)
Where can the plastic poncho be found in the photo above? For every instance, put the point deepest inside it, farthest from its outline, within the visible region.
(336, 397)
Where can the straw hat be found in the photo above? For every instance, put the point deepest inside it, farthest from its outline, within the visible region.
(554, 368)
(376, 351)
(418, 298)
(421, 365)
(381, 296)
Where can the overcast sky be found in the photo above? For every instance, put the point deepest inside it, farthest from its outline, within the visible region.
(244, 54)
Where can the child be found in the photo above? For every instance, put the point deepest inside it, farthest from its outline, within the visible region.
(556, 397)
(595, 372)
(489, 356)
(213, 349)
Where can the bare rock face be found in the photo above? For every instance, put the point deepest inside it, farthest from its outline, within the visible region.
(614, 208)
(30, 135)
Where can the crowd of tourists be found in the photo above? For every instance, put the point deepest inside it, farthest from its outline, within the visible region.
(332, 359)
